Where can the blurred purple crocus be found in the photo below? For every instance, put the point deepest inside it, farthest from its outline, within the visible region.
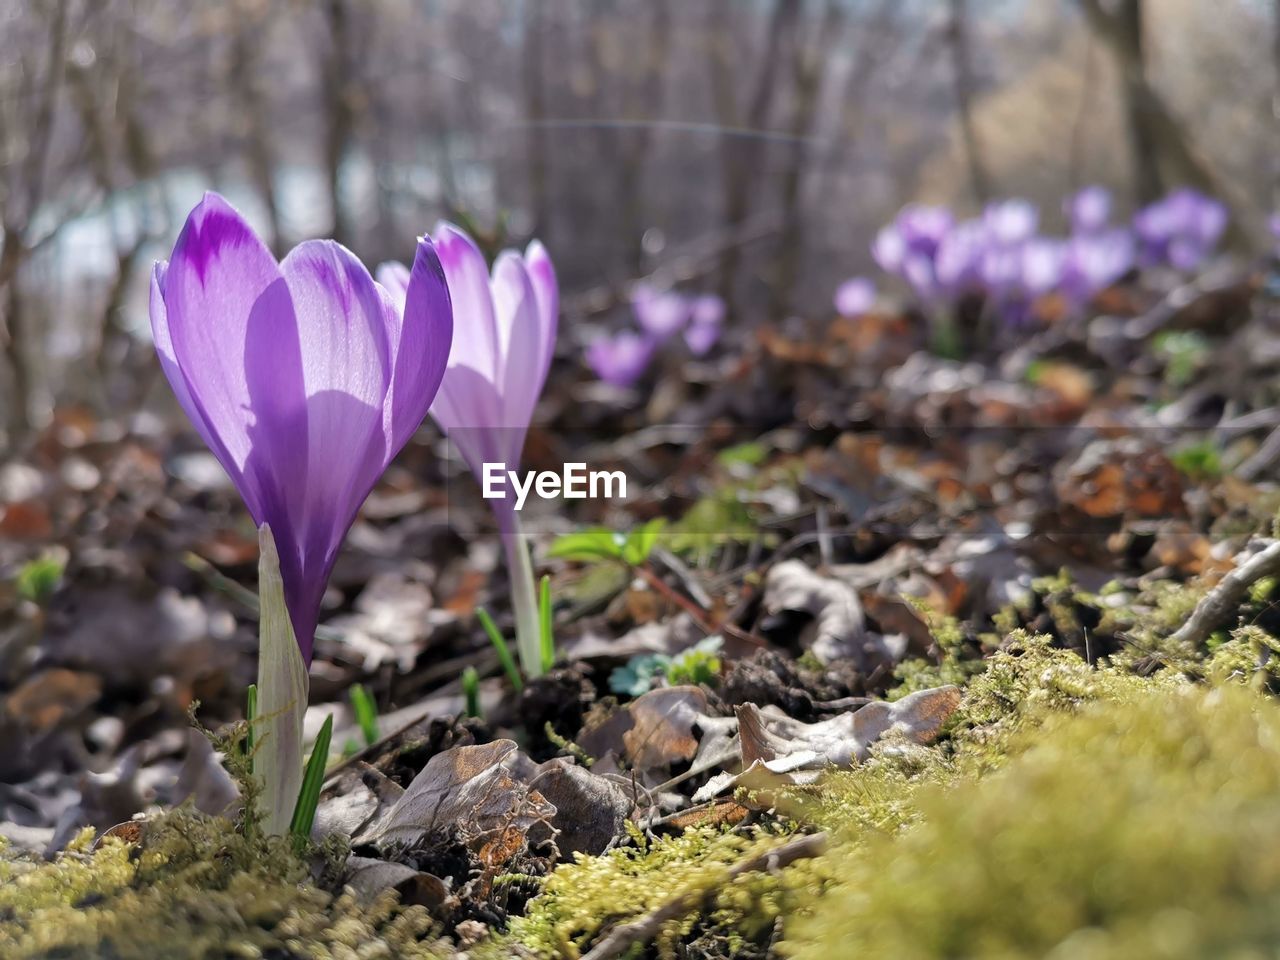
(958, 265)
(1010, 222)
(660, 313)
(1088, 209)
(706, 321)
(301, 376)
(1095, 261)
(1181, 229)
(855, 297)
(922, 227)
(505, 335)
(907, 247)
(620, 360)
(1042, 264)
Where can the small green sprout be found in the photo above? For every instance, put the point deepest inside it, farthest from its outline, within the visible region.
(471, 691)
(366, 713)
(500, 645)
(304, 813)
(39, 578)
(546, 636)
(601, 543)
(250, 715)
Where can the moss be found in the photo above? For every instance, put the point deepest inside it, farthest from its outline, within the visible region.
(193, 888)
(579, 900)
(956, 662)
(1146, 823)
(1148, 623)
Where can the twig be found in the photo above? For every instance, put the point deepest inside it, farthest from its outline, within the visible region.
(620, 939)
(1263, 459)
(695, 612)
(1216, 607)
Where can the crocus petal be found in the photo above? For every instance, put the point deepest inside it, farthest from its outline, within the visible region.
(660, 313)
(516, 306)
(706, 320)
(217, 273)
(1011, 221)
(708, 308)
(855, 297)
(421, 342)
(346, 367)
(620, 361)
(542, 273)
(922, 227)
(888, 249)
(394, 278)
(475, 331)
(169, 363)
(467, 407)
(701, 337)
(1089, 209)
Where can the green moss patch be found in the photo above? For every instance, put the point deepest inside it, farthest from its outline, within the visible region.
(194, 888)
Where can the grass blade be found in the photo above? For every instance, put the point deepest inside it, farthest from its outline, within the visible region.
(544, 621)
(250, 715)
(471, 691)
(304, 813)
(366, 713)
(504, 652)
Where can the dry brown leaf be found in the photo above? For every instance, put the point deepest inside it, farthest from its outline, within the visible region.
(838, 630)
(778, 750)
(469, 789)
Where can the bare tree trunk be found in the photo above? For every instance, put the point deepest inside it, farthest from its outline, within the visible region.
(1158, 140)
(15, 338)
(251, 100)
(647, 92)
(22, 202)
(808, 70)
(536, 115)
(962, 74)
(741, 158)
(1275, 101)
(340, 116)
(1128, 32)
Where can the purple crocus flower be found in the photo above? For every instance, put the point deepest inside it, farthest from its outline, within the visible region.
(505, 335)
(1093, 262)
(620, 360)
(502, 350)
(855, 296)
(1042, 263)
(907, 246)
(958, 265)
(661, 313)
(889, 249)
(923, 227)
(1001, 269)
(706, 320)
(300, 375)
(1010, 222)
(1088, 209)
(1181, 229)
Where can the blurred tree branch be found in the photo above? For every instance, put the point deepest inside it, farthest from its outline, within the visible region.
(1157, 139)
(962, 72)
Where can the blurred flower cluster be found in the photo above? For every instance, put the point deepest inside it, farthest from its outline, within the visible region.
(621, 359)
(1001, 258)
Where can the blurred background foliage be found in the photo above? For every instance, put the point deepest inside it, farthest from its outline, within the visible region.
(749, 146)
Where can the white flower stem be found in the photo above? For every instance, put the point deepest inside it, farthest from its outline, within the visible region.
(282, 696)
(524, 595)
